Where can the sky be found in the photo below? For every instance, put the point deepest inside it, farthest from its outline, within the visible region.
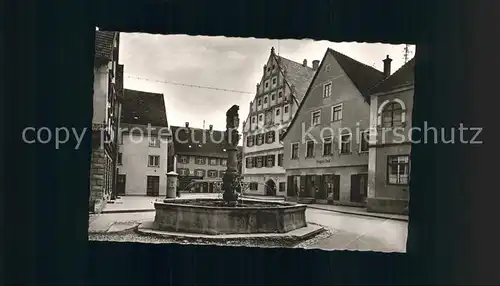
(181, 67)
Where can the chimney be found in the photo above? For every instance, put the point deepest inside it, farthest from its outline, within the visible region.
(210, 127)
(304, 63)
(272, 50)
(264, 69)
(315, 64)
(187, 124)
(258, 85)
(387, 66)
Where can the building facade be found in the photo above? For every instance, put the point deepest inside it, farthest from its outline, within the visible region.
(278, 95)
(200, 156)
(390, 145)
(326, 147)
(143, 149)
(105, 120)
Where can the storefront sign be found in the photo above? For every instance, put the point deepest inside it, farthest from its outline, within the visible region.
(323, 161)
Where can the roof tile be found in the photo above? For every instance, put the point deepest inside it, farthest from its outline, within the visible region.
(193, 141)
(403, 76)
(140, 107)
(104, 44)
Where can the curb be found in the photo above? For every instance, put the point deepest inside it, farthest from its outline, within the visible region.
(127, 211)
(360, 214)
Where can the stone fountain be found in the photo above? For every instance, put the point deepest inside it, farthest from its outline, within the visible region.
(229, 215)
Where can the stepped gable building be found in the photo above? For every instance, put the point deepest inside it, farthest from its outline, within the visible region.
(278, 95)
(325, 146)
(389, 154)
(143, 150)
(199, 156)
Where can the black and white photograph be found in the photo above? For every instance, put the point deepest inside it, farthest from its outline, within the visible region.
(251, 142)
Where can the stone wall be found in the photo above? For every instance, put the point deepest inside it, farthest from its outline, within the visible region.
(101, 174)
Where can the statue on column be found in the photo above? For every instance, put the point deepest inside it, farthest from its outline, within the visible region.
(232, 138)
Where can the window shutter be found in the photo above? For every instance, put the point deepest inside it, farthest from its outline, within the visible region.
(273, 137)
(289, 187)
(273, 160)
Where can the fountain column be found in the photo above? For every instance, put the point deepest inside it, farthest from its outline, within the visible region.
(232, 139)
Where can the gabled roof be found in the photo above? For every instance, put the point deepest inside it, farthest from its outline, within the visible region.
(196, 144)
(362, 76)
(140, 107)
(402, 77)
(296, 75)
(104, 44)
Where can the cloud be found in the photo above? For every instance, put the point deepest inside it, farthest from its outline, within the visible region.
(220, 62)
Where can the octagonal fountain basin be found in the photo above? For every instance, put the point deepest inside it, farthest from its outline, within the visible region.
(212, 216)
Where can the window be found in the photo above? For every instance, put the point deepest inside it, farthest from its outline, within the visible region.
(253, 119)
(280, 94)
(316, 117)
(265, 100)
(280, 159)
(213, 161)
(273, 96)
(267, 84)
(363, 143)
(286, 109)
(270, 161)
(309, 149)
(281, 187)
(259, 102)
(250, 140)
(275, 80)
(327, 146)
(199, 173)
(221, 174)
(391, 116)
(270, 137)
(337, 112)
(327, 90)
(200, 160)
(253, 186)
(295, 151)
(119, 159)
(277, 112)
(154, 161)
(258, 162)
(223, 162)
(260, 139)
(268, 69)
(212, 174)
(183, 172)
(260, 117)
(345, 144)
(250, 162)
(184, 159)
(328, 68)
(398, 169)
(154, 142)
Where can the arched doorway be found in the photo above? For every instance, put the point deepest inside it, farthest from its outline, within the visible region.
(270, 188)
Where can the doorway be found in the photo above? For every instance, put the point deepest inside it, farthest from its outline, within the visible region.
(359, 188)
(270, 188)
(120, 184)
(153, 186)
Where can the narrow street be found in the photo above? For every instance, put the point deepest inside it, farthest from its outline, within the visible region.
(349, 231)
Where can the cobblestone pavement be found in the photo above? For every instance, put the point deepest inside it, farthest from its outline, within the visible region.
(345, 231)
